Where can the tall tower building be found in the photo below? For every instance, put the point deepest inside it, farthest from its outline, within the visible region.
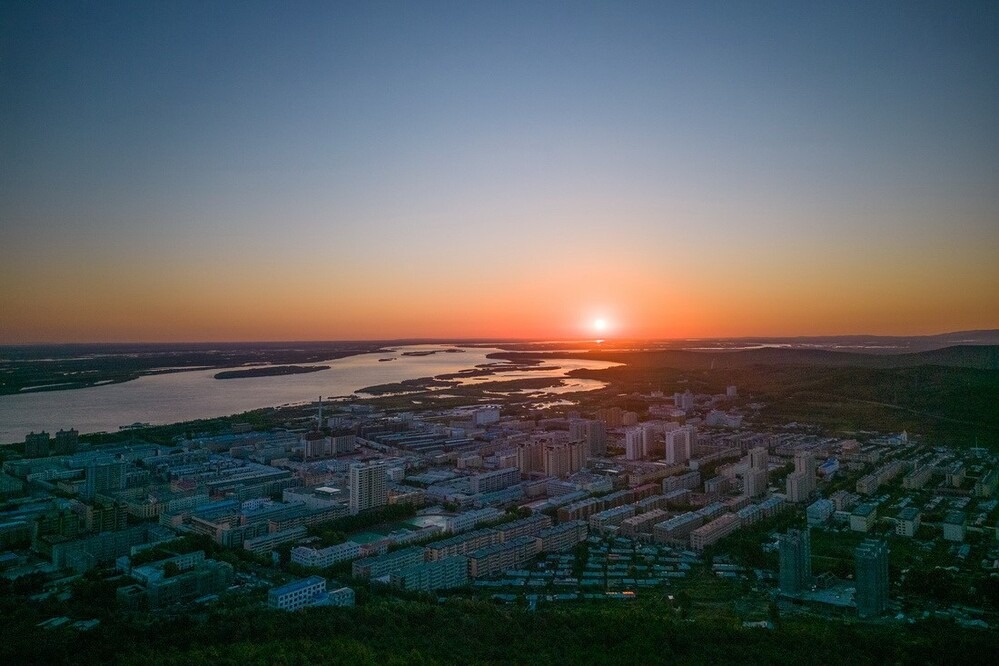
(684, 401)
(67, 441)
(872, 577)
(368, 487)
(596, 438)
(680, 444)
(758, 458)
(36, 444)
(634, 443)
(755, 479)
(804, 463)
(795, 549)
(103, 475)
(531, 456)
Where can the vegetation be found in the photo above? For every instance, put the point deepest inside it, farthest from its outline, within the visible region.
(270, 371)
(61, 367)
(389, 631)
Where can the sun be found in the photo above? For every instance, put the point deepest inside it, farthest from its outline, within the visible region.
(600, 325)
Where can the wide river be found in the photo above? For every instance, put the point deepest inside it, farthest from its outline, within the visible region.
(196, 394)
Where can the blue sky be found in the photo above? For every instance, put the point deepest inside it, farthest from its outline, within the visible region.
(612, 155)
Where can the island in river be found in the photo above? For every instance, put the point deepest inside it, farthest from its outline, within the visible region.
(270, 371)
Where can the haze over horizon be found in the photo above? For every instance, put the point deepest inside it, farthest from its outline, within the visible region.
(248, 171)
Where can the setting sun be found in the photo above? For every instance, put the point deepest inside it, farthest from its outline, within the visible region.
(600, 325)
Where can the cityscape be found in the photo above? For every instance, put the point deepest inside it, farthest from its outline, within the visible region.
(499, 333)
(685, 500)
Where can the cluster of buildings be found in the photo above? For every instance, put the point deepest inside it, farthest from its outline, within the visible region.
(676, 478)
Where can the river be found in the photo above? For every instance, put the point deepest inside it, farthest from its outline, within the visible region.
(196, 394)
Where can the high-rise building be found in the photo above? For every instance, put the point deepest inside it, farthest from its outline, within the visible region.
(872, 578)
(797, 488)
(36, 444)
(596, 438)
(531, 456)
(680, 444)
(104, 475)
(368, 486)
(611, 416)
(563, 458)
(804, 463)
(684, 401)
(755, 477)
(634, 443)
(67, 441)
(795, 549)
(758, 458)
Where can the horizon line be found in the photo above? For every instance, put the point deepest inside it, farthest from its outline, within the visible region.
(499, 340)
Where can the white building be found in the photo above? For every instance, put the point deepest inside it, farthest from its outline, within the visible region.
(297, 594)
(634, 443)
(679, 444)
(368, 487)
(325, 557)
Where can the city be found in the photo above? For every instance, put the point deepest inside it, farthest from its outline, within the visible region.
(671, 497)
(533, 332)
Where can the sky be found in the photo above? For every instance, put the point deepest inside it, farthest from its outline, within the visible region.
(188, 171)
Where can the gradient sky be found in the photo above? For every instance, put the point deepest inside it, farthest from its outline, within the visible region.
(257, 171)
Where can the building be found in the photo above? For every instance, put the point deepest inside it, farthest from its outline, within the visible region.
(687, 481)
(797, 488)
(795, 550)
(610, 416)
(343, 597)
(383, 565)
(954, 525)
(461, 544)
(872, 578)
(717, 529)
(564, 458)
(501, 556)
(596, 438)
(265, 543)
(677, 528)
(819, 512)
(531, 457)
(987, 484)
(863, 517)
(801, 482)
(499, 479)
(469, 519)
(634, 443)
(486, 415)
(684, 401)
(680, 444)
(445, 574)
(36, 444)
(323, 558)
(907, 523)
(67, 441)
(755, 478)
(611, 517)
(298, 594)
(193, 576)
(562, 537)
(368, 487)
(104, 475)
(523, 527)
